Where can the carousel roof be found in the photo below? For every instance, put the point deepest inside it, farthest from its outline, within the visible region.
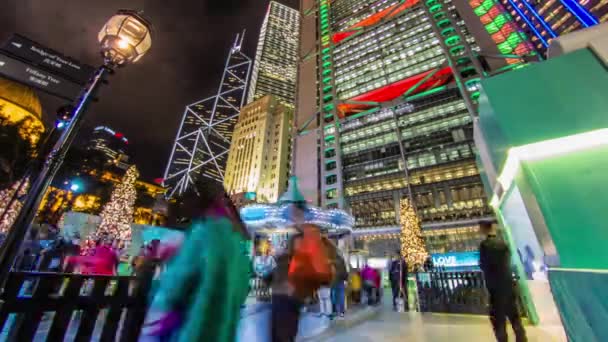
(276, 217)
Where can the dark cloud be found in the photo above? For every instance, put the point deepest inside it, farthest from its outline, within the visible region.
(144, 101)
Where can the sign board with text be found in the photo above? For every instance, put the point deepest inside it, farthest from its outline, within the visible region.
(456, 259)
(47, 59)
(38, 78)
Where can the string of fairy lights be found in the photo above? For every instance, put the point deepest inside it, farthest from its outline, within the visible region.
(413, 248)
(9, 217)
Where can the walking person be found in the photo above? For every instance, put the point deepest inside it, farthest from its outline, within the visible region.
(339, 284)
(307, 264)
(354, 286)
(325, 304)
(398, 278)
(495, 262)
(285, 305)
(200, 294)
(368, 275)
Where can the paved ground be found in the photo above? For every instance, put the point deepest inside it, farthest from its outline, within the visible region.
(390, 326)
(387, 326)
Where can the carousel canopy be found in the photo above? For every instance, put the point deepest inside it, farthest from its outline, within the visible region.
(269, 218)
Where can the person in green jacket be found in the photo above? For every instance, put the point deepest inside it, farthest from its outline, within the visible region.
(201, 293)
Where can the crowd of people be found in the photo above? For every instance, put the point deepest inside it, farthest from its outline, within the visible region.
(205, 278)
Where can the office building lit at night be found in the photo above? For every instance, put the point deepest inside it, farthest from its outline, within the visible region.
(204, 137)
(390, 111)
(275, 66)
(258, 161)
(113, 145)
(260, 155)
(546, 20)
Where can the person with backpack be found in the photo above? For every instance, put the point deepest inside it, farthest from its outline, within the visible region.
(299, 273)
(398, 278)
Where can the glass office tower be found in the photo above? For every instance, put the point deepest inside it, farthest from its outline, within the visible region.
(396, 88)
(275, 65)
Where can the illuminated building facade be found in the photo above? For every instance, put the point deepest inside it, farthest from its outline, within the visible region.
(396, 88)
(545, 20)
(276, 60)
(113, 145)
(95, 193)
(19, 103)
(204, 137)
(259, 157)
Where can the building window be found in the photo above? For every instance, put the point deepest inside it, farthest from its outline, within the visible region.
(330, 166)
(331, 180)
(331, 194)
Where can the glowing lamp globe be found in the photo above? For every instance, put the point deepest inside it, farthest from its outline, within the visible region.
(125, 38)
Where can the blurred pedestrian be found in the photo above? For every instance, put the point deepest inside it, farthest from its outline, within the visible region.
(51, 258)
(308, 268)
(100, 260)
(369, 277)
(495, 262)
(201, 292)
(398, 278)
(285, 305)
(354, 283)
(340, 276)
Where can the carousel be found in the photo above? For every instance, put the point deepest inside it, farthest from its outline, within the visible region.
(271, 224)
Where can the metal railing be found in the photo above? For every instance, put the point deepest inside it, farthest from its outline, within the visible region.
(259, 289)
(59, 306)
(457, 292)
(452, 292)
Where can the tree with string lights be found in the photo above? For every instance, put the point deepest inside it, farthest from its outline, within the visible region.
(8, 210)
(117, 214)
(413, 248)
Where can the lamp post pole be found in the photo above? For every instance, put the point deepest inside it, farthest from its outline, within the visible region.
(15, 236)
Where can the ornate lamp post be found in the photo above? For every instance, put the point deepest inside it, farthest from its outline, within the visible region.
(124, 39)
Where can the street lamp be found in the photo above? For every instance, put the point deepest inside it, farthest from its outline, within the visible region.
(124, 39)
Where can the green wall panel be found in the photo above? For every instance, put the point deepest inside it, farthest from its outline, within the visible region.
(558, 97)
(572, 192)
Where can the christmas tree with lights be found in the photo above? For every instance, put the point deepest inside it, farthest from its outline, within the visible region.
(117, 214)
(8, 213)
(413, 248)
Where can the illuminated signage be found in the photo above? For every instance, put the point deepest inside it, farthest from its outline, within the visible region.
(456, 259)
(38, 78)
(45, 58)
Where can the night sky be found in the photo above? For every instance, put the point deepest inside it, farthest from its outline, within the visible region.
(144, 101)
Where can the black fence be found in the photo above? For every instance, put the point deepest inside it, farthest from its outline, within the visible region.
(73, 307)
(457, 292)
(452, 292)
(259, 289)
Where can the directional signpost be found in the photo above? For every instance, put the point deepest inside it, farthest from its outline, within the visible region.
(38, 78)
(30, 63)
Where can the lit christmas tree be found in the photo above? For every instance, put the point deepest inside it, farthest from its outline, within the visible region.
(413, 248)
(117, 215)
(9, 217)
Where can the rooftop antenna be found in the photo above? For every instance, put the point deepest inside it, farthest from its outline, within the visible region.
(242, 37)
(238, 42)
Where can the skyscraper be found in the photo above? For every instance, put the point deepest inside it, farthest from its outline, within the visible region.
(275, 66)
(545, 20)
(258, 161)
(396, 86)
(112, 144)
(204, 137)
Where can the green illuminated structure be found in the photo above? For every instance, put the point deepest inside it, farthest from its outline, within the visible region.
(546, 159)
